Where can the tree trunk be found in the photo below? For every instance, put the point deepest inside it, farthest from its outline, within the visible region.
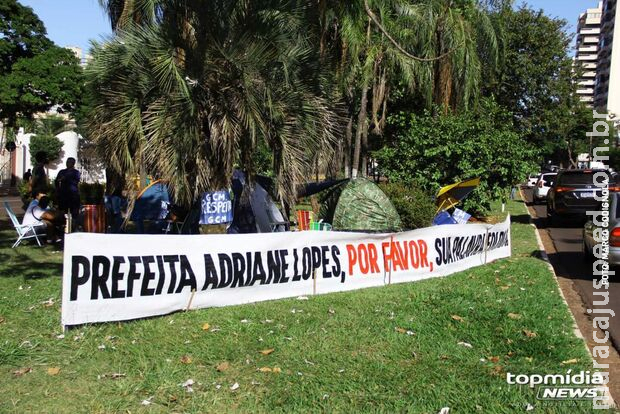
(361, 125)
(347, 147)
(364, 150)
(442, 88)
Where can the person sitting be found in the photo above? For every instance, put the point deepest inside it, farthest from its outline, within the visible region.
(38, 213)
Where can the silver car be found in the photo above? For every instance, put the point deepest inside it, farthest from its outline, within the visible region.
(589, 239)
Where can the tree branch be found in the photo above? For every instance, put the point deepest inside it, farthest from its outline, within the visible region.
(376, 21)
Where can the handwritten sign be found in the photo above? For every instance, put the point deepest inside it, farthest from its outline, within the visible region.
(216, 208)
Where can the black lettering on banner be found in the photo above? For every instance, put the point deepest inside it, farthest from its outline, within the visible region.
(469, 250)
(295, 265)
(148, 276)
(132, 275)
(187, 275)
(238, 269)
(77, 263)
(226, 270)
(210, 273)
(258, 272)
(316, 261)
(117, 276)
(101, 272)
(248, 266)
(283, 266)
(172, 260)
(457, 248)
(325, 261)
(336, 269)
(306, 265)
(162, 274)
(273, 266)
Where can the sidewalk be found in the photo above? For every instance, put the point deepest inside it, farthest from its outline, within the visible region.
(16, 204)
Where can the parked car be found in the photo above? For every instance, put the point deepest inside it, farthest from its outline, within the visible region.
(589, 239)
(542, 187)
(531, 180)
(572, 194)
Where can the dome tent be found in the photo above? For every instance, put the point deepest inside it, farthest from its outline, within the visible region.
(359, 205)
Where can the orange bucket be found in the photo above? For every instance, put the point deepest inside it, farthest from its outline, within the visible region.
(94, 218)
(304, 217)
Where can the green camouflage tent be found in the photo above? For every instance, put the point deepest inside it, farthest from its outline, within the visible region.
(359, 205)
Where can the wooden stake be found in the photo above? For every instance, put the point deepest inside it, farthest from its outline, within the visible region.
(191, 299)
(314, 282)
(486, 246)
(68, 223)
(390, 263)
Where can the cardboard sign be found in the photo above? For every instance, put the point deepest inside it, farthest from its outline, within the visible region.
(216, 208)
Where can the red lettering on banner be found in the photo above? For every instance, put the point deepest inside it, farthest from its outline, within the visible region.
(362, 252)
(352, 257)
(397, 260)
(423, 254)
(364, 257)
(404, 254)
(386, 256)
(372, 258)
(414, 253)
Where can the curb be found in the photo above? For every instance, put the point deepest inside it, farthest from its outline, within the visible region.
(545, 258)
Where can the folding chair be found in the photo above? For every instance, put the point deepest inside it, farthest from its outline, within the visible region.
(24, 231)
(173, 227)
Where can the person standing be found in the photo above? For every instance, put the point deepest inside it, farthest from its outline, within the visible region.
(27, 175)
(38, 181)
(68, 193)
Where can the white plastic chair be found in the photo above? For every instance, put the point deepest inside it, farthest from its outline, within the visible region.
(24, 231)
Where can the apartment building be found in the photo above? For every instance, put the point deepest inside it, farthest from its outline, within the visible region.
(607, 86)
(587, 48)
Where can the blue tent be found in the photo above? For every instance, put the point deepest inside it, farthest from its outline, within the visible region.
(152, 203)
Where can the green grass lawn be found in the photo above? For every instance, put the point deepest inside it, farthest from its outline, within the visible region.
(344, 352)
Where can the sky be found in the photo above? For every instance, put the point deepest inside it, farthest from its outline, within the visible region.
(568, 10)
(71, 22)
(76, 22)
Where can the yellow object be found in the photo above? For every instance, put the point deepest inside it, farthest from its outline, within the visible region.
(450, 195)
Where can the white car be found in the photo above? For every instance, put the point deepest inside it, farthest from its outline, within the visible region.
(542, 186)
(531, 180)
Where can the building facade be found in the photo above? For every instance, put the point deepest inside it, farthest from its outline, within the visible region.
(587, 49)
(607, 90)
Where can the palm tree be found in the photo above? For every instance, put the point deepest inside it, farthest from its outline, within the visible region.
(123, 13)
(367, 44)
(463, 32)
(189, 105)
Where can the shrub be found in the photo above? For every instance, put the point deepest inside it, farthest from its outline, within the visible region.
(25, 193)
(416, 208)
(48, 144)
(91, 193)
(437, 150)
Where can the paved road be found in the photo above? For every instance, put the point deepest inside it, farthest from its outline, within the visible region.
(566, 256)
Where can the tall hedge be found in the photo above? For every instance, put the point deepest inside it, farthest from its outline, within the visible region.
(436, 150)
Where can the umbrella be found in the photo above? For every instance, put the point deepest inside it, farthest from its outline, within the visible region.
(452, 194)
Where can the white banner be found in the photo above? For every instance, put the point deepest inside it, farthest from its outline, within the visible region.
(112, 277)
